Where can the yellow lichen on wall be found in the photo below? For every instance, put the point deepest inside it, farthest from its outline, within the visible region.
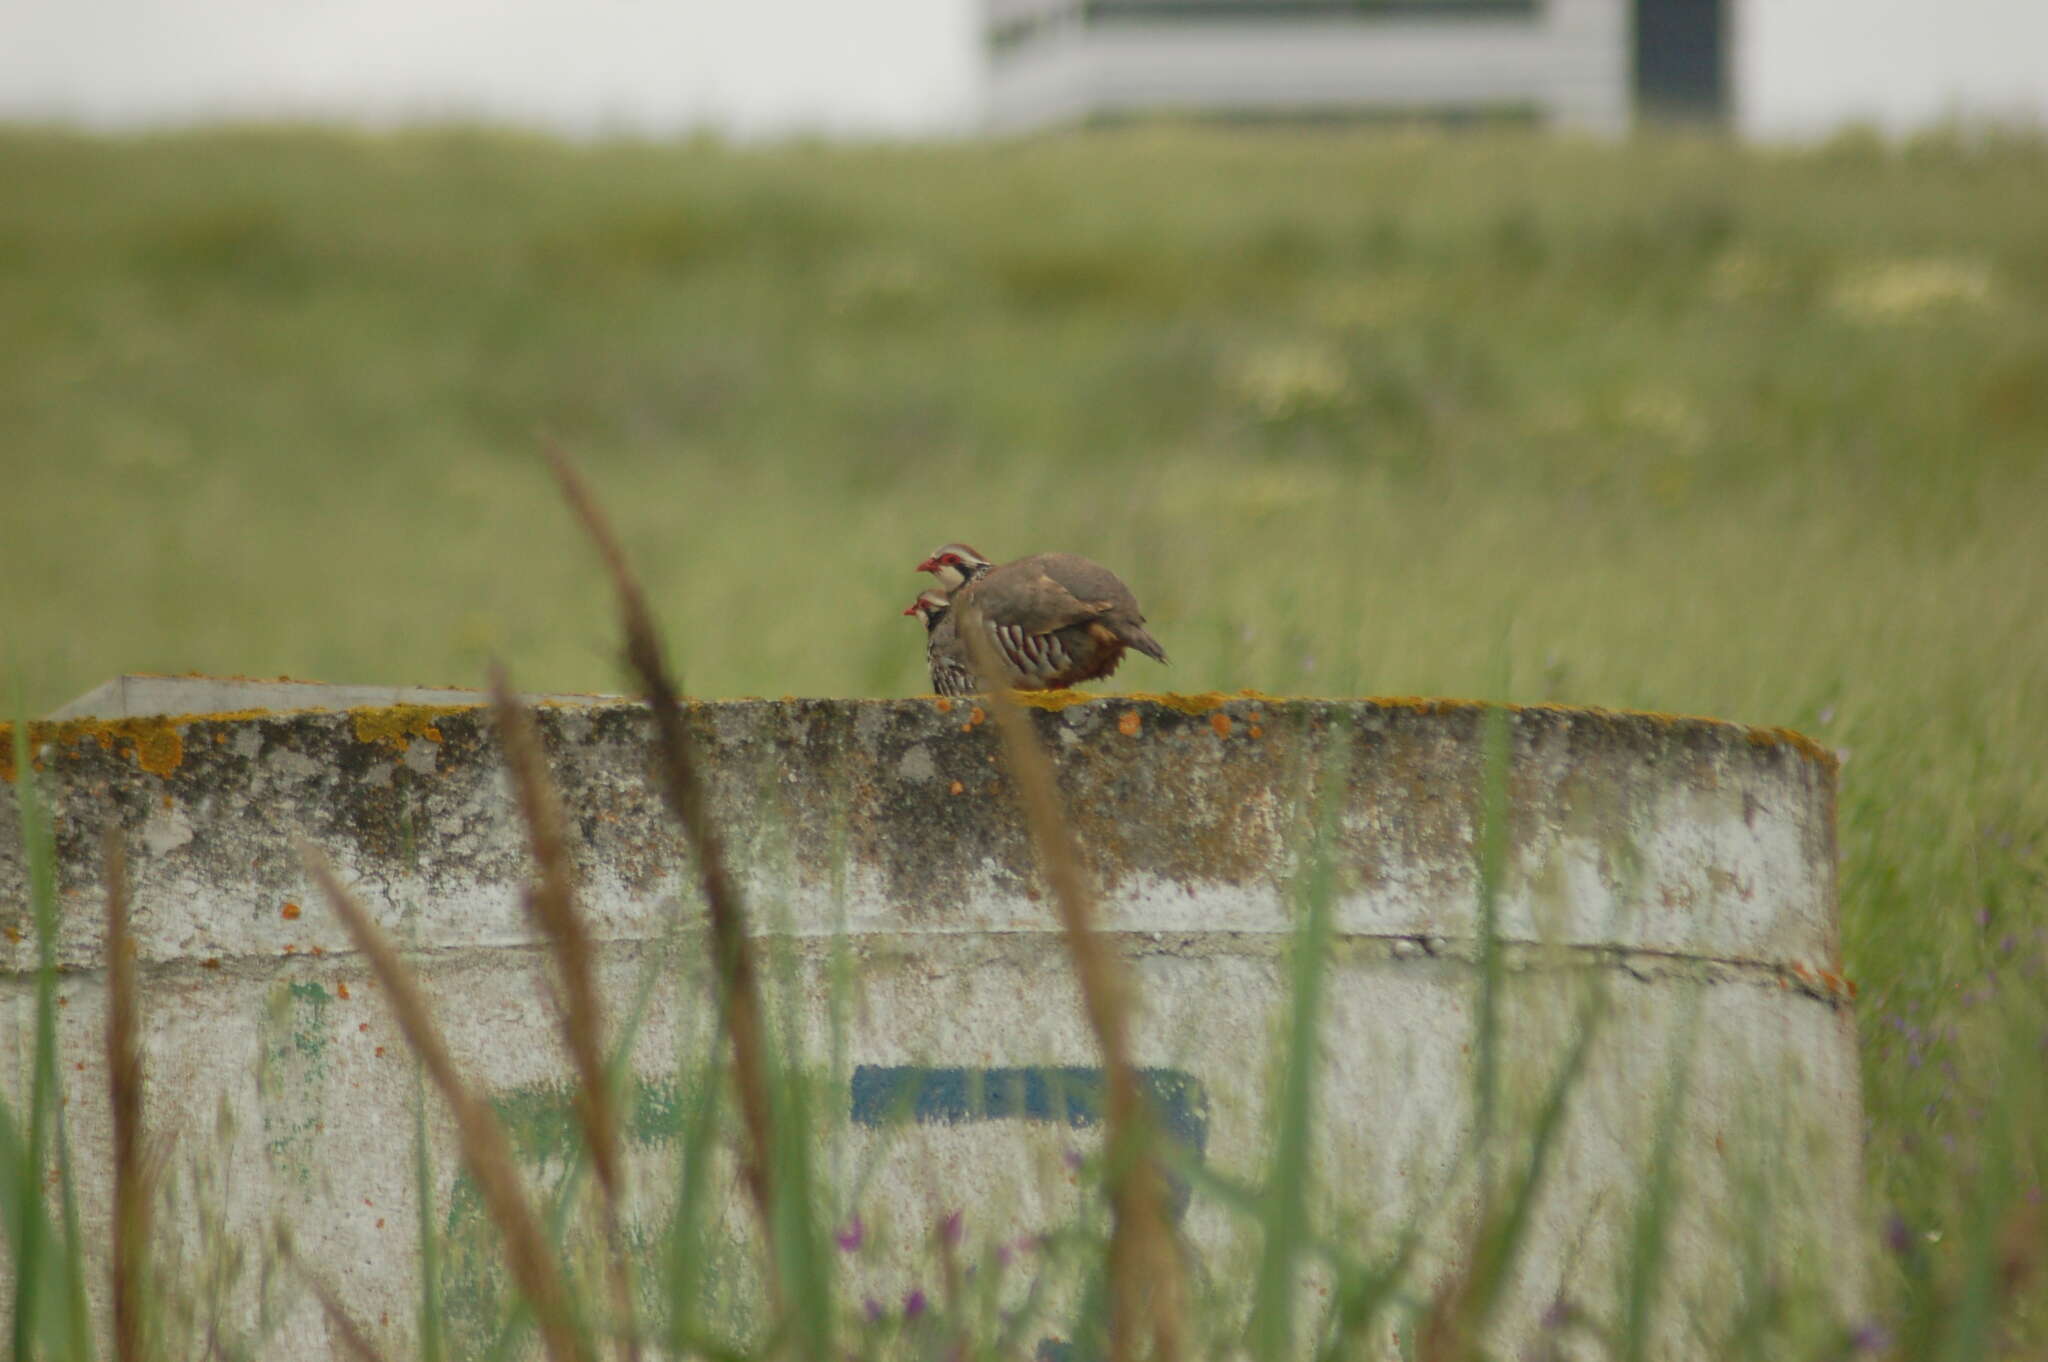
(396, 726)
(155, 743)
(1797, 741)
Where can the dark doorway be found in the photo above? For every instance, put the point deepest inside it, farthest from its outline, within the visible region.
(1682, 59)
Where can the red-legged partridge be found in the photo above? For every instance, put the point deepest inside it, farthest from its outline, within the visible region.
(1055, 619)
(951, 673)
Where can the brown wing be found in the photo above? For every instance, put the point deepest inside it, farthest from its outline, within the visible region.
(1089, 581)
(1024, 596)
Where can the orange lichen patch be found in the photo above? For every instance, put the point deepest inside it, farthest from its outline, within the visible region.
(159, 750)
(1797, 741)
(1052, 701)
(1432, 704)
(155, 744)
(956, 788)
(290, 912)
(1200, 703)
(976, 716)
(1825, 983)
(341, 992)
(210, 962)
(1129, 724)
(396, 726)
(13, 934)
(945, 706)
(1221, 723)
(1184, 704)
(1257, 732)
(224, 716)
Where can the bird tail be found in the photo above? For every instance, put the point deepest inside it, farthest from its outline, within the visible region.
(1136, 637)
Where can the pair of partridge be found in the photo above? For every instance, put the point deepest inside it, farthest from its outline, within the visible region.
(1052, 619)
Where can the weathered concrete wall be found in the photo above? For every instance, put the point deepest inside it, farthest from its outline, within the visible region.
(1684, 865)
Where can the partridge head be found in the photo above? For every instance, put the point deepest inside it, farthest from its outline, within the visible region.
(930, 607)
(954, 565)
(943, 653)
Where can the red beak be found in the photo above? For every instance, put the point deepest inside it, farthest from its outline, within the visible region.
(928, 565)
(911, 609)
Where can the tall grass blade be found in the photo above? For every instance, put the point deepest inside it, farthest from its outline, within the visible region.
(354, 1341)
(1500, 1240)
(1363, 1295)
(485, 1148)
(561, 1207)
(685, 1249)
(1650, 1240)
(1285, 1208)
(1496, 749)
(76, 1310)
(432, 1314)
(124, 1098)
(683, 788)
(45, 1292)
(551, 904)
(1987, 1267)
(1144, 1266)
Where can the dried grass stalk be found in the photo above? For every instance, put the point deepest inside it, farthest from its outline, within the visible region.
(1144, 1265)
(551, 903)
(124, 1091)
(683, 789)
(354, 1341)
(485, 1150)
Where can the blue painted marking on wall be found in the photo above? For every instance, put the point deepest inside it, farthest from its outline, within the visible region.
(1071, 1095)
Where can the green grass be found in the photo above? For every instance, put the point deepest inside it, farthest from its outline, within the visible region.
(1756, 434)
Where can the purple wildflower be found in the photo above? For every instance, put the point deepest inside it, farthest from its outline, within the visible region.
(914, 1303)
(949, 1228)
(872, 1308)
(852, 1236)
(1898, 1235)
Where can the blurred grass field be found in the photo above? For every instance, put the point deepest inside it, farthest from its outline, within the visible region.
(1760, 434)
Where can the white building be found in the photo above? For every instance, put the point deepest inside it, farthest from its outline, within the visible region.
(947, 67)
(1764, 67)
(1566, 62)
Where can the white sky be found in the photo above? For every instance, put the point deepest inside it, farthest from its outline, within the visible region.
(762, 67)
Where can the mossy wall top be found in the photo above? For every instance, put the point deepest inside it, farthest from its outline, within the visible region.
(1632, 831)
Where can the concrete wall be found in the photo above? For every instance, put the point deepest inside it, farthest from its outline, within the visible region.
(1685, 866)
